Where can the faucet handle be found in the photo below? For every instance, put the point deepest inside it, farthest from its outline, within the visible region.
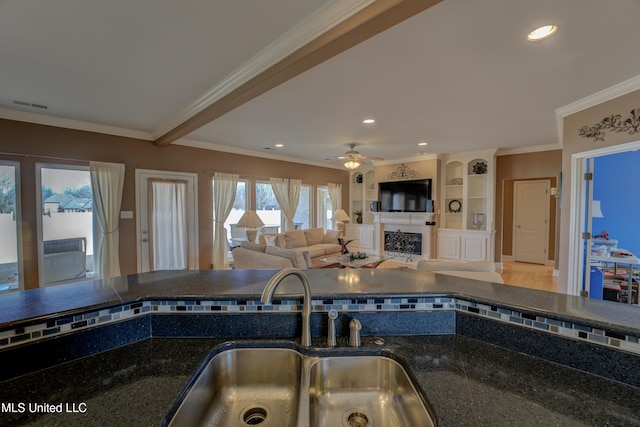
(354, 332)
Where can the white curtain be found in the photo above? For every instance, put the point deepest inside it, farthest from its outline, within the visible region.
(287, 192)
(168, 224)
(335, 195)
(107, 182)
(224, 194)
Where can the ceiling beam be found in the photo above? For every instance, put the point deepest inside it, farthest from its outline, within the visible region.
(368, 22)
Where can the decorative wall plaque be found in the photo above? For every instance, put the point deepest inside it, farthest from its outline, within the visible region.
(613, 123)
(403, 172)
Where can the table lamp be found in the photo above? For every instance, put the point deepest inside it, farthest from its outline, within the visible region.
(341, 217)
(250, 220)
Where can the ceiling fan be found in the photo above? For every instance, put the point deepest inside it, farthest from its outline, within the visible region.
(354, 158)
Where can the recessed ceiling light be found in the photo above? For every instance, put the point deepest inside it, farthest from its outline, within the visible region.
(279, 145)
(542, 33)
(422, 144)
(368, 121)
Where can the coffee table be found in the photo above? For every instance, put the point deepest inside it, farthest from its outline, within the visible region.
(371, 261)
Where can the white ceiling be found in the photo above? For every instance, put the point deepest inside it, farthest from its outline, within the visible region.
(459, 75)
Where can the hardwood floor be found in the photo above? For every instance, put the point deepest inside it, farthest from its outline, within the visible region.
(522, 274)
(533, 276)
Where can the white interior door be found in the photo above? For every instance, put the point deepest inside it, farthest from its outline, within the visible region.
(531, 212)
(145, 211)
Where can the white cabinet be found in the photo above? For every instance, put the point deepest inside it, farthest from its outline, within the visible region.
(475, 247)
(467, 217)
(457, 245)
(363, 235)
(449, 246)
(363, 190)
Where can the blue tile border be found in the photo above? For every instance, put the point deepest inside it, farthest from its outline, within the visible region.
(53, 327)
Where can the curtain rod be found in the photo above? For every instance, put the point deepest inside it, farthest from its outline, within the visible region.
(263, 178)
(67, 159)
(240, 176)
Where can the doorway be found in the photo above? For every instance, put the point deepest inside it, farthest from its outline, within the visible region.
(580, 219)
(531, 221)
(166, 226)
(65, 223)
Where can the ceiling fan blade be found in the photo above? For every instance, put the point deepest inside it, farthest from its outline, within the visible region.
(362, 156)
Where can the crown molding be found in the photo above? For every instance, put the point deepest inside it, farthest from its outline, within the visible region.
(302, 34)
(41, 119)
(597, 98)
(412, 159)
(526, 150)
(253, 153)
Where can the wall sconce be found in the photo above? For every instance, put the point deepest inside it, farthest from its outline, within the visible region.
(555, 192)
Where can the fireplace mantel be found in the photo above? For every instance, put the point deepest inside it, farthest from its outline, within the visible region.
(408, 218)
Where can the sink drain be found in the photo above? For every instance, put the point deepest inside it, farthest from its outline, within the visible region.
(254, 415)
(356, 418)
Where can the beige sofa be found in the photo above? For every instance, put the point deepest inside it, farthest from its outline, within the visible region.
(299, 248)
(478, 270)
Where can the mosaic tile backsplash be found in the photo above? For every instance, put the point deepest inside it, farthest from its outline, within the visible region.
(64, 325)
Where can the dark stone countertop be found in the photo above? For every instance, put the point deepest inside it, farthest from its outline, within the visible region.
(325, 283)
(465, 382)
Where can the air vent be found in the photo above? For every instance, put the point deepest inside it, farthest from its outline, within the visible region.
(30, 105)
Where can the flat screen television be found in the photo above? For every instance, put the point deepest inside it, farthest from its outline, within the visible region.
(406, 196)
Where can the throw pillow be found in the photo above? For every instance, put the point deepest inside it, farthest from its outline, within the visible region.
(296, 257)
(314, 236)
(295, 239)
(253, 246)
(271, 240)
(331, 236)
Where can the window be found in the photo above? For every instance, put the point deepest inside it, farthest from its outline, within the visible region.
(325, 210)
(302, 218)
(10, 278)
(238, 209)
(65, 227)
(267, 208)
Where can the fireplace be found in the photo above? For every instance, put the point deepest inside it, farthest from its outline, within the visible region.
(402, 243)
(405, 235)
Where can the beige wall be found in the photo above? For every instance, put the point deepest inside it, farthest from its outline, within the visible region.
(522, 167)
(572, 144)
(47, 143)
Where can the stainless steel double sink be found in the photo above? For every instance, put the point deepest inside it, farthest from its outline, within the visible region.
(279, 387)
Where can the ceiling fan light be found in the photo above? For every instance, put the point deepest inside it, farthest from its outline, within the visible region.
(351, 164)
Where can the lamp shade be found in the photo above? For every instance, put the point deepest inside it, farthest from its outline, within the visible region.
(341, 215)
(596, 211)
(250, 219)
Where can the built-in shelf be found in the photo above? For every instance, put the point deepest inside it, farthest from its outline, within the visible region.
(362, 190)
(467, 206)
